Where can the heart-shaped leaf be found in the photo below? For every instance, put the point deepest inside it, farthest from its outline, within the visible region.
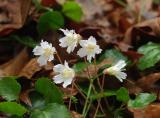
(122, 95)
(9, 88)
(151, 52)
(13, 108)
(52, 110)
(51, 20)
(142, 100)
(72, 10)
(49, 90)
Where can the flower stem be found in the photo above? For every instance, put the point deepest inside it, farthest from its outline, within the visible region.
(79, 90)
(88, 94)
(89, 91)
(59, 57)
(87, 109)
(70, 100)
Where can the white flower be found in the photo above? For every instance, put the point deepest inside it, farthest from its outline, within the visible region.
(45, 52)
(89, 48)
(65, 74)
(70, 40)
(116, 70)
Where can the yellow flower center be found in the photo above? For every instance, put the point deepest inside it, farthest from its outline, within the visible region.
(48, 52)
(73, 39)
(90, 48)
(67, 73)
(111, 71)
(70, 41)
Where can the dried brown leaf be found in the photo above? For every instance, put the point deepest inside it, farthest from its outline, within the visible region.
(13, 15)
(69, 92)
(132, 87)
(147, 82)
(151, 111)
(30, 69)
(13, 67)
(149, 29)
(76, 115)
(24, 97)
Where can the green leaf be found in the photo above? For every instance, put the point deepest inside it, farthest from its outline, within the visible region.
(52, 110)
(151, 56)
(79, 67)
(113, 55)
(142, 100)
(9, 89)
(14, 116)
(12, 108)
(106, 93)
(52, 20)
(25, 40)
(37, 100)
(49, 90)
(122, 95)
(72, 10)
(37, 4)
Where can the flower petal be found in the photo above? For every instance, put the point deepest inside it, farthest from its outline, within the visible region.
(67, 82)
(63, 42)
(89, 58)
(58, 79)
(121, 76)
(42, 60)
(58, 68)
(38, 50)
(53, 49)
(81, 52)
(69, 49)
(66, 32)
(51, 57)
(83, 43)
(92, 39)
(44, 44)
(98, 50)
(120, 64)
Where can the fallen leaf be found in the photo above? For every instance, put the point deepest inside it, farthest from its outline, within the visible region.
(132, 87)
(148, 30)
(69, 92)
(48, 2)
(75, 115)
(14, 66)
(139, 6)
(13, 14)
(147, 82)
(133, 55)
(24, 97)
(91, 8)
(151, 111)
(30, 69)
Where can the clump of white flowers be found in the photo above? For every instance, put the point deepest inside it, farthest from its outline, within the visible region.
(89, 48)
(70, 40)
(65, 74)
(45, 52)
(116, 70)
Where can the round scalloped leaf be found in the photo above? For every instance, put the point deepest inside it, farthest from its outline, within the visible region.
(151, 55)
